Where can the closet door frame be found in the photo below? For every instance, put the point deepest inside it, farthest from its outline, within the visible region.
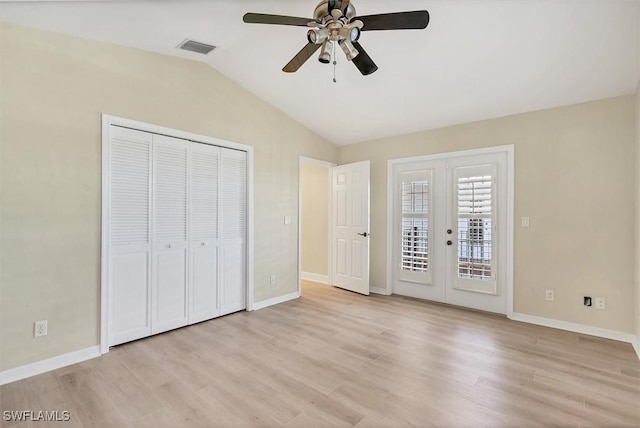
(107, 122)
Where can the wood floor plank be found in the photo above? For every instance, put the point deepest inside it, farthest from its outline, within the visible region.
(335, 358)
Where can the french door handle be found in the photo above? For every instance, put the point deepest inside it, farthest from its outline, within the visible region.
(365, 234)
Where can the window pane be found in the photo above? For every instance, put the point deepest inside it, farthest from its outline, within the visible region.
(415, 197)
(415, 226)
(475, 244)
(415, 244)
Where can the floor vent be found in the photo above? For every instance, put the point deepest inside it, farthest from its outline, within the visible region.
(198, 47)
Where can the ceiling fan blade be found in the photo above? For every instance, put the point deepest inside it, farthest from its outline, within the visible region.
(301, 57)
(261, 18)
(363, 61)
(416, 20)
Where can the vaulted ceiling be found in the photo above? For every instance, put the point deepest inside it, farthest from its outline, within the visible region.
(476, 59)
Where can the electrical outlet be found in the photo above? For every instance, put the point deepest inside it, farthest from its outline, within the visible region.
(40, 328)
(524, 222)
(549, 296)
(600, 303)
(287, 219)
(272, 280)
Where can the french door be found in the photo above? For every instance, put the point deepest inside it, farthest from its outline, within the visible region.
(450, 230)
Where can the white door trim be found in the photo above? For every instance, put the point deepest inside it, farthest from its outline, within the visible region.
(107, 121)
(310, 161)
(509, 151)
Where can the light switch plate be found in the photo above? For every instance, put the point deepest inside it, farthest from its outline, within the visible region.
(524, 222)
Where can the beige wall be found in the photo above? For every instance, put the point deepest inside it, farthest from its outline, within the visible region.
(574, 177)
(54, 89)
(315, 219)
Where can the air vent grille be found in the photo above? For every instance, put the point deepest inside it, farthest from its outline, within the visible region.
(198, 47)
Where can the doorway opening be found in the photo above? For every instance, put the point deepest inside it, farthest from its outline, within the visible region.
(314, 210)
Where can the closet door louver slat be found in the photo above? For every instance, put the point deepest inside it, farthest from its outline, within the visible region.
(204, 192)
(130, 191)
(233, 193)
(170, 205)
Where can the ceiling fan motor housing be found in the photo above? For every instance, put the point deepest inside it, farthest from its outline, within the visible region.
(324, 8)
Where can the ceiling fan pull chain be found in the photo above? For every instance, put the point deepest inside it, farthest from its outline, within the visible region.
(334, 62)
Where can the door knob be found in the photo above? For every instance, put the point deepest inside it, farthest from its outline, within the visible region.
(168, 245)
(365, 234)
(449, 231)
(204, 244)
(449, 242)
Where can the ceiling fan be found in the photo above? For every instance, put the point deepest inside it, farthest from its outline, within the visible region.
(335, 21)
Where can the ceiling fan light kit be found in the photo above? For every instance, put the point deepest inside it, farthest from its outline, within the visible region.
(325, 52)
(335, 21)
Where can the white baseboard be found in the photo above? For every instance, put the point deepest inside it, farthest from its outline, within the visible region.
(315, 277)
(280, 299)
(579, 328)
(378, 290)
(39, 367)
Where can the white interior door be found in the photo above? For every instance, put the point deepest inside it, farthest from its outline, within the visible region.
(129, 235)
(233, 197)
(170, 245)
(449, 230)
(350, 227)
(204, 236)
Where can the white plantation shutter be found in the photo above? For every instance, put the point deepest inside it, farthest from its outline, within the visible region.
(130, 156)
(475, 196)
(233, 193)
(170, 190)
(205, 161)
(474, 187)
(415, 216)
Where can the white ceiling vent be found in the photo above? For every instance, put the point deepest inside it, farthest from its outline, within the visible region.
(197, 47)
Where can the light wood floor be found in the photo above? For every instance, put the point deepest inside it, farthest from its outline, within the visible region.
(334, 358)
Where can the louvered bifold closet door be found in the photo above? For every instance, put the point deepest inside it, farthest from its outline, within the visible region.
(129, 249)
(204, 242)
(232, 230)
(169, 225)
